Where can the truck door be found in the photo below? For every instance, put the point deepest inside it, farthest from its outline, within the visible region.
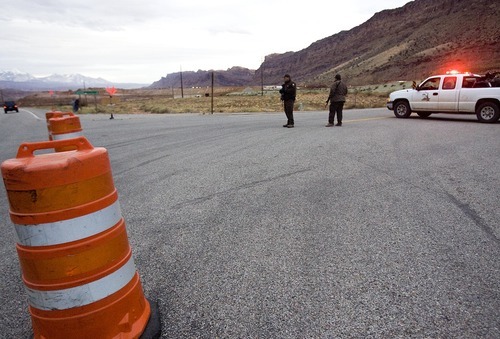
(466, 99)
(448, 95)
(426, 97)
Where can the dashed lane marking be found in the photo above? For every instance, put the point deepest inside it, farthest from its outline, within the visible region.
(366, 119)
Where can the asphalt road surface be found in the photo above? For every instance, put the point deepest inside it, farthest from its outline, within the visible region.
(240, 228)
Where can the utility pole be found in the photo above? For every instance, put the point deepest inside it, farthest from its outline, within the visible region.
(84, 90)
(262, 79)
(182, 86)
(212, 92)
(262, 75)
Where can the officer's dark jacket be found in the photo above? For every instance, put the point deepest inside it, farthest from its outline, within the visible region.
(288, 90)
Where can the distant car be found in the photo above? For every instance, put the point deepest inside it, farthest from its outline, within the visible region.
(10, 106)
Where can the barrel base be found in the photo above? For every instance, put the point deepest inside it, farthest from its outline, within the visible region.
(124, 314)
(153, 328)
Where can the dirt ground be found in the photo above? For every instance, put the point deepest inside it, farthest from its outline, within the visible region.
(200, 100)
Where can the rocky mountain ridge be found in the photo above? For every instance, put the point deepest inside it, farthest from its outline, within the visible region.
(423, 37)
(234, 76)
(407, 43)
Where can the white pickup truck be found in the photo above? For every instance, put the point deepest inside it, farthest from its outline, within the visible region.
(451, 93)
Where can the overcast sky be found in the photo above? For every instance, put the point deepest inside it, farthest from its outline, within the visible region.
(141, 41)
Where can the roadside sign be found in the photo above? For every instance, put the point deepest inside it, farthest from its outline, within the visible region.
(87, 92)
(111, 90)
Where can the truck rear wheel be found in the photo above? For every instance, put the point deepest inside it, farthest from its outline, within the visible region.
(488, 112)
(402, 109)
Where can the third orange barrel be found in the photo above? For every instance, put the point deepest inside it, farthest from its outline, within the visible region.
(76, 262)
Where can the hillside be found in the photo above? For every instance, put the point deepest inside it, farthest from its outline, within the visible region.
(420, 38)
(407, 43)
(235, 76)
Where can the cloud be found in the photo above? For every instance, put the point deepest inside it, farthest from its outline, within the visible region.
(140, 41)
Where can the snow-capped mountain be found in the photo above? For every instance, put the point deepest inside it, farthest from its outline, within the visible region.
(75, 79)
(25, 81)
(15, 76)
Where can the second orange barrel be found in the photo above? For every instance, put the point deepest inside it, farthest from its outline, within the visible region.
(65, 127)
(55, 114)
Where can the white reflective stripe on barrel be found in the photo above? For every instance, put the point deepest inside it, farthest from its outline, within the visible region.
(84, 294)
(67, 135)
(64, 231)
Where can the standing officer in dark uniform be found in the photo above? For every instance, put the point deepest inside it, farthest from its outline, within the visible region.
(76, 105)
(288, 91)
(338, 91)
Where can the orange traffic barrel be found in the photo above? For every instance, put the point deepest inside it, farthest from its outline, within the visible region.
(55, 114)
(76, 262)
(65, 127)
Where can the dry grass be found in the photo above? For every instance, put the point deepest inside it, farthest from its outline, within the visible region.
(195, 100)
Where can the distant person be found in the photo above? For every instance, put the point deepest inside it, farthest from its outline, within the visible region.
(288, 91)
(338, 91)
(76, 105)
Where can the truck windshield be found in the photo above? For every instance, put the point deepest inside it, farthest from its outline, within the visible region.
(430, 84)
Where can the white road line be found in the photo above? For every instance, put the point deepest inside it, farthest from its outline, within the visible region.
(33, 114)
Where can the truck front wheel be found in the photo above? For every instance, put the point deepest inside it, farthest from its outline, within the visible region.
(402, 109)
(488, 112)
